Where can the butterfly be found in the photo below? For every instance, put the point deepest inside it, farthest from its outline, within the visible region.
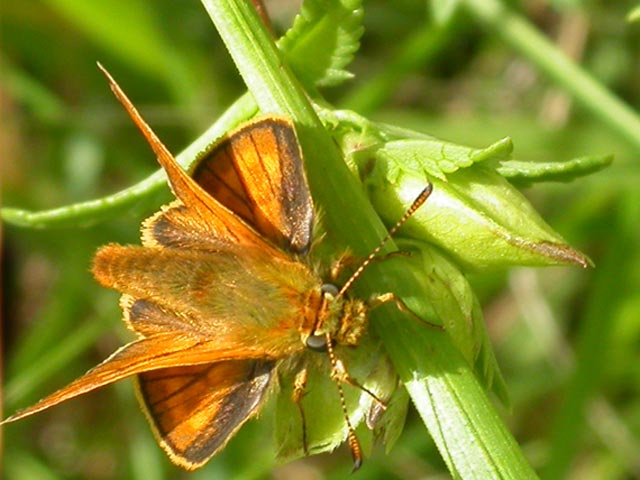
(223, 298)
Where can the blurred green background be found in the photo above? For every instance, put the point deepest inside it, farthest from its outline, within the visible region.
(568, 340)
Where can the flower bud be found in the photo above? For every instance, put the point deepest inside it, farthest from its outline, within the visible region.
(474, 213)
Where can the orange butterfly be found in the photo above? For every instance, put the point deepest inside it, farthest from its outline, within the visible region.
(221, 295)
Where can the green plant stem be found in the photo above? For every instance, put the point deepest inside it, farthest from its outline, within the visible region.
(93, 211)
(276, 91)
(520, 34)
(470, 435)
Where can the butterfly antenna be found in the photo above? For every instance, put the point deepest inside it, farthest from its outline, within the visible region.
(352, 438)
(417, 203)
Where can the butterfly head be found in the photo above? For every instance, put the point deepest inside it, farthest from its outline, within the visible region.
(337, 319)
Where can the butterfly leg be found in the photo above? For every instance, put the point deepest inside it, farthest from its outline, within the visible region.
(299, 386)
(394, 254)
(339, 374)
(346, 260)
(352, 439)
(388, 297)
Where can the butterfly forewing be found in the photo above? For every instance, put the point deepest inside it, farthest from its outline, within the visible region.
(197, 219)
(257, 172)
(156, 352)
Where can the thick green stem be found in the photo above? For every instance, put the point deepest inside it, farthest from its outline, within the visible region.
(471, 437)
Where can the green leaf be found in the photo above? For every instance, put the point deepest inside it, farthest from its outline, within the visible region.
(474, 212)
(360, 139)
(523, 173)
(323, 40)
(437, 157)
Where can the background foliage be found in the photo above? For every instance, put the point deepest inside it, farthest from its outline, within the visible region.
(566, 339)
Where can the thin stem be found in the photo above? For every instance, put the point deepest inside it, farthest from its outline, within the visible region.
(93, 211)
(520, 34)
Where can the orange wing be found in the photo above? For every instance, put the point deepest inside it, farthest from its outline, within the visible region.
(157, 352)
(199, 331)
(195, 410)
(197, 220)
(257, 172)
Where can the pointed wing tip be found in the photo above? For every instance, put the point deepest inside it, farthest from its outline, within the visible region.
(24, 413)
(112, 82)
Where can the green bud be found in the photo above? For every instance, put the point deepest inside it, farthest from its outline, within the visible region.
(443, 296)
(474, 213)
(325, 427)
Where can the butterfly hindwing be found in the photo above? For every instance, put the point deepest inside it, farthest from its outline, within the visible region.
(197, 293)
(194, 410)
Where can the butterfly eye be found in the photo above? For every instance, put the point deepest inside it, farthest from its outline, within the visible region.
(329, 289)
(317, 343)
